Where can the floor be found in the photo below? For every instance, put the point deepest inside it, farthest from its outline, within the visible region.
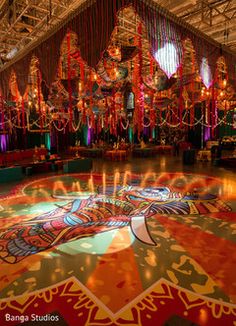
(142, 242)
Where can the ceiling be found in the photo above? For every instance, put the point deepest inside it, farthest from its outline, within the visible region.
(216, 18)
(24, 22)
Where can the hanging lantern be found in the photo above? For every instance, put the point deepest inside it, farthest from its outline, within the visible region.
(114, 52)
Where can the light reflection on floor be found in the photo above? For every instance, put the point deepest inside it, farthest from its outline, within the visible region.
(194, 252)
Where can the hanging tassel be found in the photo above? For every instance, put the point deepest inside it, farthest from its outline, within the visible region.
(10, 120)
(99, 124)
(181, 95)
(171, 115)
(83, 112)
(213, 115)
(135, 91)
(152, 116)
(91, 90)
(17, 100)
(23, 115)
(69, 80)
(192, 113)
(160, 116)
(2, 113)
(91, 114)
(106, 114)
(39, 99)
(92, 121)
(225, 114)
(151, 65)
(82, 74)
(140, 81)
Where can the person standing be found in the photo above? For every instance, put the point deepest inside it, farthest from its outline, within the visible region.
(176, 146)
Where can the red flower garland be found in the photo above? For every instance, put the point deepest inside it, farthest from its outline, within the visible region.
(152, 115)
(69, 80)
(106, 114)
(192, 113)
(2, 113)
(23, 115)
(181, 95)
(213, 115)
(140, 79)
(39, 99)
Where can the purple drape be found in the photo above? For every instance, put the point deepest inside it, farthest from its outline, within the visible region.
(3, 142)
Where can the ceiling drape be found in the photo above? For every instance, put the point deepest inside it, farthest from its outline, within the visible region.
(94, 22)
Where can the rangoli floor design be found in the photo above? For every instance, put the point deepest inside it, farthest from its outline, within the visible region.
(102, 268)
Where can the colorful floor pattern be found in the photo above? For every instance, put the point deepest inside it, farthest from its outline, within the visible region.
(122, 249)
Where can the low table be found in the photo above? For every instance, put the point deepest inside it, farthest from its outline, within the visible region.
(41, 167)
(204, 155)
(228, 162)
(92, 152)
(143, 152)
(77, 165)
(116, 155)
(163, 149)
(13, 173)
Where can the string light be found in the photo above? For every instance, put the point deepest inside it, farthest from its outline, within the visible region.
(125, 127)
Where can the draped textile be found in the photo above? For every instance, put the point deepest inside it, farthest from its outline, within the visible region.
(94, 22)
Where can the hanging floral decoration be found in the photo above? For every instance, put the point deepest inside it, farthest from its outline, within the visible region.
(140, 87)
(69, 79)
(97, 100)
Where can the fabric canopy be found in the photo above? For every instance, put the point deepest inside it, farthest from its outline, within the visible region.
(94, 22)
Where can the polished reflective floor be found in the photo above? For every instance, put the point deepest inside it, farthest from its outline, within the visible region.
(142, 242)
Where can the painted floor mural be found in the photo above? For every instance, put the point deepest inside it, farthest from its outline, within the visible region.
(119, 249)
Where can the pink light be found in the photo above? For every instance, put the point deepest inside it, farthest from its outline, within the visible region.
(205, 72)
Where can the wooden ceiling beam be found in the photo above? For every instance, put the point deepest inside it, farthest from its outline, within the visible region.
(17, 20)
(33, 17)
(39, 8)
(201, 5)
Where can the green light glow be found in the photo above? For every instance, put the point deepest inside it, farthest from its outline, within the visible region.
(47, 141)
(130, 135)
